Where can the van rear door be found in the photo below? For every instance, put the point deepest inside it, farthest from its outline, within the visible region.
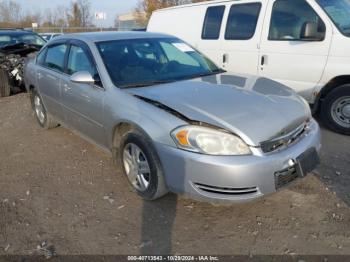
(294, 45)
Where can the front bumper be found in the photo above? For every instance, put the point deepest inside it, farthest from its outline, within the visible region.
(230, 178)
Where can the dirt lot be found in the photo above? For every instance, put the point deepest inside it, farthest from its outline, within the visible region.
(57, 188)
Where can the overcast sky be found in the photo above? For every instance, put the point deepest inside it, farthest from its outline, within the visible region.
(111, 7)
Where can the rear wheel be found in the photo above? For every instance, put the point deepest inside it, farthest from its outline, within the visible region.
(335, 110)
(141, 166)
(5, 84)
(43, 118)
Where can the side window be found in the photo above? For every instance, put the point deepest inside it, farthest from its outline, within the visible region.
(291, 19)
(79, 61)
(41, 57)
(55, 57)
(212, 22)
(242, 20)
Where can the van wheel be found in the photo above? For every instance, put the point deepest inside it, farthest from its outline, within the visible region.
(43, 118)
(335, 110)
(5, 84)
(141, 166)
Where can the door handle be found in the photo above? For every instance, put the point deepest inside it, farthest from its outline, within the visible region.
(263, 60)
(225, 58)
(66, 87)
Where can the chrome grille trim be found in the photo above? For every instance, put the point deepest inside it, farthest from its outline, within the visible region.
(283, 141)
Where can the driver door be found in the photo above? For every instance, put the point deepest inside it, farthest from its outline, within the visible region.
(83, 103)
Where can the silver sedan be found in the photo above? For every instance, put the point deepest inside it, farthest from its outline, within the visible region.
(172, 120)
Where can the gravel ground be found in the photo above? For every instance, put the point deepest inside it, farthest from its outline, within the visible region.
(60, 193)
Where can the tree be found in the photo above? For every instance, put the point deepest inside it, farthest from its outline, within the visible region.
(10, 13)
(85, 9)
(74, 16)
(79, 14)
(55, 17)
(30, 18)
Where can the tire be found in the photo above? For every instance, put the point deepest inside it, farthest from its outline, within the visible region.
(335, 110)
(44, 119)
(155, 177)
(5, 84)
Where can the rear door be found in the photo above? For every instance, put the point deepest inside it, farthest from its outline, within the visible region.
(288, 57)
(83, 103)
(231, 34)
(241, 37)
(49, 73)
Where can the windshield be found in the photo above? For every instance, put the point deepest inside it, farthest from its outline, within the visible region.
(339, 12)
(142, 62)
(11, 39)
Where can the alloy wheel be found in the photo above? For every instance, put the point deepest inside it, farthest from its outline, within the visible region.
(39, 109)
(136, 167)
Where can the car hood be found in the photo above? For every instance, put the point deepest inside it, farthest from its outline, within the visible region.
(256, 109)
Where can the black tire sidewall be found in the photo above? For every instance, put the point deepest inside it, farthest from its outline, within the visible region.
(326, 109)
(33, 94)
(5, 84)
(152, 158)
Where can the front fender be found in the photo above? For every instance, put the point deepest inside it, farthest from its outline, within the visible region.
(154, 122)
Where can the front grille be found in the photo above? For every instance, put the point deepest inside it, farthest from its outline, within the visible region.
(283, 141)
(226, 190)
(286, 176)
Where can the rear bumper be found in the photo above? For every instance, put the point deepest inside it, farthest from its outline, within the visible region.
(230, 178)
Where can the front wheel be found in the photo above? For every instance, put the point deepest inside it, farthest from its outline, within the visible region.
(141, 166)
(335, 110)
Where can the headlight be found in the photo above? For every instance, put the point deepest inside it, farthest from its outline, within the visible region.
(209, 141)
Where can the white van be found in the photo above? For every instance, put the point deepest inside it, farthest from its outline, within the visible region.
(304, 44)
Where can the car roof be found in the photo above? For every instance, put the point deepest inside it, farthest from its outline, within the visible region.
(110, 36)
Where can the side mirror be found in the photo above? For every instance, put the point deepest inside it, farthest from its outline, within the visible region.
(82, 77)
(310, 32)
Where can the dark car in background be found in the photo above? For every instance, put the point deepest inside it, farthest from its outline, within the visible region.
(16, 45)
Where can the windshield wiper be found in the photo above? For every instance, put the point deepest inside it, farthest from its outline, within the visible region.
(215, 72)
(158, 82)
(144, 84)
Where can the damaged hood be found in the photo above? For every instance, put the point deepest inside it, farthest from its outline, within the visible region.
(21, 49)
(256, 109)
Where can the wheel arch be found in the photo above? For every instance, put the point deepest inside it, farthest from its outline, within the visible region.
(123, 127)
(329, 87)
